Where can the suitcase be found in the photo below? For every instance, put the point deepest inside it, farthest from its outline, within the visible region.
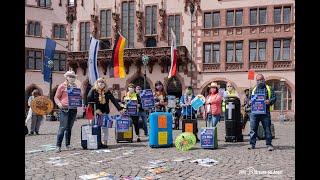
(190, 125)
(209, 137)
(123, 129)
(160, 134)
(91, 134)
(260, 132)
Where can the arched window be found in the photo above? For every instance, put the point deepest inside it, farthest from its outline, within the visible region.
(287, 99)
(174, 87)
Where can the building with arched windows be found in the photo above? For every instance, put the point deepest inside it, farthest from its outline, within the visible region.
(228, 38)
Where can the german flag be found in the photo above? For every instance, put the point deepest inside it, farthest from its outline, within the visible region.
(117, 64)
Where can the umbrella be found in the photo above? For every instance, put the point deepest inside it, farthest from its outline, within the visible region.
(185, 141)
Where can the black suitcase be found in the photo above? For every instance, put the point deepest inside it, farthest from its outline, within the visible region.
(95, 130)
(189, 124)
(124, 136)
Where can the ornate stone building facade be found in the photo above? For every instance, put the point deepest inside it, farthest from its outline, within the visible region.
(228, 38)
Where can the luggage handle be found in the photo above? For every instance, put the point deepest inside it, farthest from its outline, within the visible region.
(94, 112)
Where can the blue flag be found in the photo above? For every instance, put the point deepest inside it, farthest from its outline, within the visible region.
(48, 55)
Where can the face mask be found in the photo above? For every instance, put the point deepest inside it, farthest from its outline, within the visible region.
(138, 91)
(212, 90)
(159, 87)
(229, 88)
(101, 85)
(260, 83)
(131, 90)
(189, 92)
(71, 79)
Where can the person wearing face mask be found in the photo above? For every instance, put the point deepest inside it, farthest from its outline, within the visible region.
(142, 114)
(230, 92)
(160, 96)
(67, 115)
(131, 95)
(187, 111)
(212, 106)
(101, 96)
(270, 99)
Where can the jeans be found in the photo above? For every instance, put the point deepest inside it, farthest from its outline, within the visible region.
(67, 119)
(254, 124)
(35, 123)
(144, 121)
(213, 120)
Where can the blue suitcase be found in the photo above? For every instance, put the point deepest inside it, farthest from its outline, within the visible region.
(160, 134)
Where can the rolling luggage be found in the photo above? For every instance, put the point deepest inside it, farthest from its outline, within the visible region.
(209, 137)
(233, 122)
(189, 124)
(160, 134)
(260, 132)
(124, 129)
(91, 134)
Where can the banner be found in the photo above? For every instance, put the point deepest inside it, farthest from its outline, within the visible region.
(206, 138)
(123, 124)
(74, 97)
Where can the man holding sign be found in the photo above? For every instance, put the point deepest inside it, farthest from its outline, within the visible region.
(262, 99)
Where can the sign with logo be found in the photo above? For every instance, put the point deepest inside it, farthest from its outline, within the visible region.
(132, 108)
(147, 99)
(206, 138)
(258, 106)
(74, 97)
(197, 102)
(123, 124)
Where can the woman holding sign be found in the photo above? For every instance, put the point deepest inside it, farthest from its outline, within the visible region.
(101, 97)
(213, 105)
(133, 103)
(67, 113)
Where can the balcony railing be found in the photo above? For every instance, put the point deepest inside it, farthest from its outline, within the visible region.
(234, 66)
(283, 65)
(259, 65)
(211, 67)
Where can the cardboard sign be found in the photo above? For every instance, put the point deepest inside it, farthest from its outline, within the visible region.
(197, 102)
(251, 74)
(123, 125)
(258, 106)
(147, 99)
(132, 108)
(162, 138)
(188, 127)
(206, 137)
(162, 121)
(74, 97)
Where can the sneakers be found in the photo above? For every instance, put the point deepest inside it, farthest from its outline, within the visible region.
(31, 133)
(138, 140)
(69, 148)
(270, 148)
(251, 147)
(37, 133)
(58, 149)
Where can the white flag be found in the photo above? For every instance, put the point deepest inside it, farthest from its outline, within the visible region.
(93, 72)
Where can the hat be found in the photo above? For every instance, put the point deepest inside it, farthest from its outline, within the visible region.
(131, 85)
(213, 84)
(70, 73)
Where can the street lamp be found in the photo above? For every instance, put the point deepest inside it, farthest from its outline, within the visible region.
(191, 6)
(282, 85)
(145, 60)
(50, 65)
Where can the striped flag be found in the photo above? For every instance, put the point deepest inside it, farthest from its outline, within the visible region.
(92, 62)
(173, 68)
(117, 64)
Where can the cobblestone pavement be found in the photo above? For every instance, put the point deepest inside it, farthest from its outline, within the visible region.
(235, 161)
